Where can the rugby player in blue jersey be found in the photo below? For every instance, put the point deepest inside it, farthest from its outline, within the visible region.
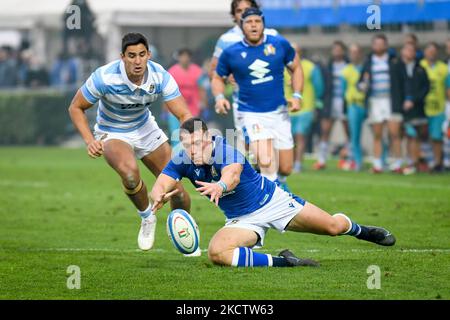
(125, 128)
(251, 203)
(257, 64)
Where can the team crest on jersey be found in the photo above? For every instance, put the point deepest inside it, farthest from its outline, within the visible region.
(244, 54)
(151, 88)
(269, 49)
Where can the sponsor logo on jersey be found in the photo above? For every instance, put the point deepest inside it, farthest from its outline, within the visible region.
(259, 71)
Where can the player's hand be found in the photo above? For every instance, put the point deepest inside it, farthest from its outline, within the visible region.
(95, 148)
(161, 199)
(222, 106)
(295, 105)
(407, 105)
(210, 189)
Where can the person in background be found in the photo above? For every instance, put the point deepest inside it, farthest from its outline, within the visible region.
(384, 110)
(187, 75)
(412, 39)
(8, 68)
(356, 112)
(302, 120)
(437, 72)
(334, 103)
(415, 88)
(65, 71)
(446, 127)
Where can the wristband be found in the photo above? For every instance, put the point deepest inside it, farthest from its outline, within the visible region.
(223, 185)
(219, 97)
(297, 95)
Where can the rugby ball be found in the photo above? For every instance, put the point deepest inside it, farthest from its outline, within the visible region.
(183, 231)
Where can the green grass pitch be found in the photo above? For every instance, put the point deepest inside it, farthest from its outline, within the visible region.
(59, 208)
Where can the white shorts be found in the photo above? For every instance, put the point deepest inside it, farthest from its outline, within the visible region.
(337, 109)
(276, 214)
(143, 140)
(380, 110)
(274, 125)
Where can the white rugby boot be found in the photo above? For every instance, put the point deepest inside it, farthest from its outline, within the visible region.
(146, 236)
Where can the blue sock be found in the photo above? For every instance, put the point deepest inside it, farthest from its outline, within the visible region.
(355, 229)
(245, 257)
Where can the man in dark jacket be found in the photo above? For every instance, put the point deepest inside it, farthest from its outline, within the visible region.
(413, 92)
(383, 101)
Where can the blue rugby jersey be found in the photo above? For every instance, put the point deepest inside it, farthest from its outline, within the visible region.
(258, 71)
(252, 192)
(123, 106)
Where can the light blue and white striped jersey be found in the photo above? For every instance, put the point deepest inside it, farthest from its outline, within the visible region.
(381, 80)
(123, 105)
(233, 36)
(338, 86)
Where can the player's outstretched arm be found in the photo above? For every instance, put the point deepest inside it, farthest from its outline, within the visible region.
(297, 82)
(77, 110)
(231, 176)
(218, 90)
(163, 189)
(179, 109)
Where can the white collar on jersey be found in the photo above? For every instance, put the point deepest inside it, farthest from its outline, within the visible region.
(145, 86)
(247, 45)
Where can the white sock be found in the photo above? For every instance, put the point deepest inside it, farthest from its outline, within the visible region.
(147, 212)
(323, 152)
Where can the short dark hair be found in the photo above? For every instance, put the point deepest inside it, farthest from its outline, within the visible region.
(131, 39)
(381, 36)
(193, 124)
(184, 51)
(341, 44)
(432, 44)
(235, 3)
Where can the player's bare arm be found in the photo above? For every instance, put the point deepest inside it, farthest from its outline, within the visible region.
(164, 188)
(297, 82)
(218, 90)
(77, 110)
(230, 179)
(179, 109)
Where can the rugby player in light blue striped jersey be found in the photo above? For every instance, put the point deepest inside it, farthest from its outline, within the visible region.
(125, 129)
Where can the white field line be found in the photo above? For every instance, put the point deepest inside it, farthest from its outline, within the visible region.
(446, 251)
(24, 184)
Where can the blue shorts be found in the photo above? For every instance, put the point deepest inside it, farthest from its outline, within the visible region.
(435, 127)
(302, 123)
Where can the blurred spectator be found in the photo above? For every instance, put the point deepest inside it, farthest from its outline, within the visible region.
(412, 39)
(382, 100)
(447, 113)
(413, 92)
(356, 112)
(435, 102)
(187, 75)
(8, 72)
(333, 104)
(65, 71)
(302, 121)
(36, 75)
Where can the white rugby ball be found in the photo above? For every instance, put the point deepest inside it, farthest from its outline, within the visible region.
(183, 231)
